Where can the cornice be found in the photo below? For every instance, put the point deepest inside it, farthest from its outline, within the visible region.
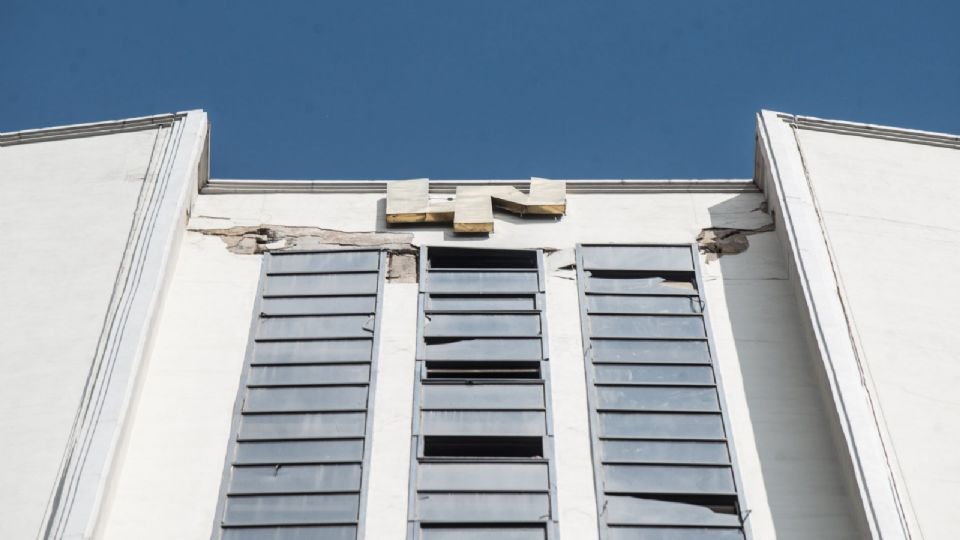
(622, 186)
(88, 130)
(914, 136)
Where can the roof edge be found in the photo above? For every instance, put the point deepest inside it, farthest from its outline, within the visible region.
(876, 131)
(91, 129)
(234, 186)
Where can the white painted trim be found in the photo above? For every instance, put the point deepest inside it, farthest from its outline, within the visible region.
(107, 127)
(87, 470)
(790, 195)
(618, 186)
(915, 136)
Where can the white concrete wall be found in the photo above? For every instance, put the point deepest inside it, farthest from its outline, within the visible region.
(889, 213)
(787, 454)
(392, 413)
(790, 477)
(65, 208)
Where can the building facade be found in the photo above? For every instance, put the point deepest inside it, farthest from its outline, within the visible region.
(188, 357)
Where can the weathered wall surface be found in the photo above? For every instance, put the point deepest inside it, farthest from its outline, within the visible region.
(791, 480)
(66, 210)
(889, 212)
(180, 419)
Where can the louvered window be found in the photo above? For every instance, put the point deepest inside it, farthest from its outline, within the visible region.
(662, 461)
(483, 445)
(296, 464)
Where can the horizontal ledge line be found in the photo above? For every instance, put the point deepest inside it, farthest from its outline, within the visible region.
(660, 363)
(326, 251)
(691, 294)
(483, 312)
(311, 363)
(289, 524)
(360, 438)
(654, 272)
(310, 385)
(646, 338)
(678, 525)
(313, 339)
(654, 385)
(303, 411)
(361, 384)
(288, 493)
(483, 409)
(482, 336)
(483, 460)
(280, 315)
(495, 270)
(660, 439)
(482, 382)
(321, 272)
(701, 413)
(458, 360)
(287, 439)
(574, 186)
(644, 314)
(271, 296)
(253, 464)
(527, 292)
(658, 494)
(704, 464)
(478, 524)
(483, 491)
(658, 411)
(371, 296)
(331, 363)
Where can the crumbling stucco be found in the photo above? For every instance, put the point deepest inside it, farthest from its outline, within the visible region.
(402, 254)
(728, 235)
(263, 238)
(402, 267)
(717, 242)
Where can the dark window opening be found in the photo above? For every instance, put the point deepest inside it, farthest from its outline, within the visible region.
(483, 447)
(483, 370)
(480, 258)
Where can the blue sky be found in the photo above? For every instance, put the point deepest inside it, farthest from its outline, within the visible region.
(491, 89)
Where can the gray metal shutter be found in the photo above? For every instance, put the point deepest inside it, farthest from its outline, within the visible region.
(298, 451)
(482, 462)
(662, 461)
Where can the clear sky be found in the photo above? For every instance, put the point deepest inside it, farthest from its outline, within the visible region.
(481, 89)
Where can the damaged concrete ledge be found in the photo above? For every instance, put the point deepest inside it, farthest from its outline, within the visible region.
(402, 253)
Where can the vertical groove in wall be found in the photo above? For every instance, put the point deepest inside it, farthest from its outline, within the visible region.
(482, 449)
(662, 458)
(297, 461)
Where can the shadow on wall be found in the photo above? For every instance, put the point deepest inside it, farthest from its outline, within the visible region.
(798, 457)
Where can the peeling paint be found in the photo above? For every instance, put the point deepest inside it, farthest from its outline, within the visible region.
(402, 267)
(719, 241)
(262, 238)
(401, 260)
